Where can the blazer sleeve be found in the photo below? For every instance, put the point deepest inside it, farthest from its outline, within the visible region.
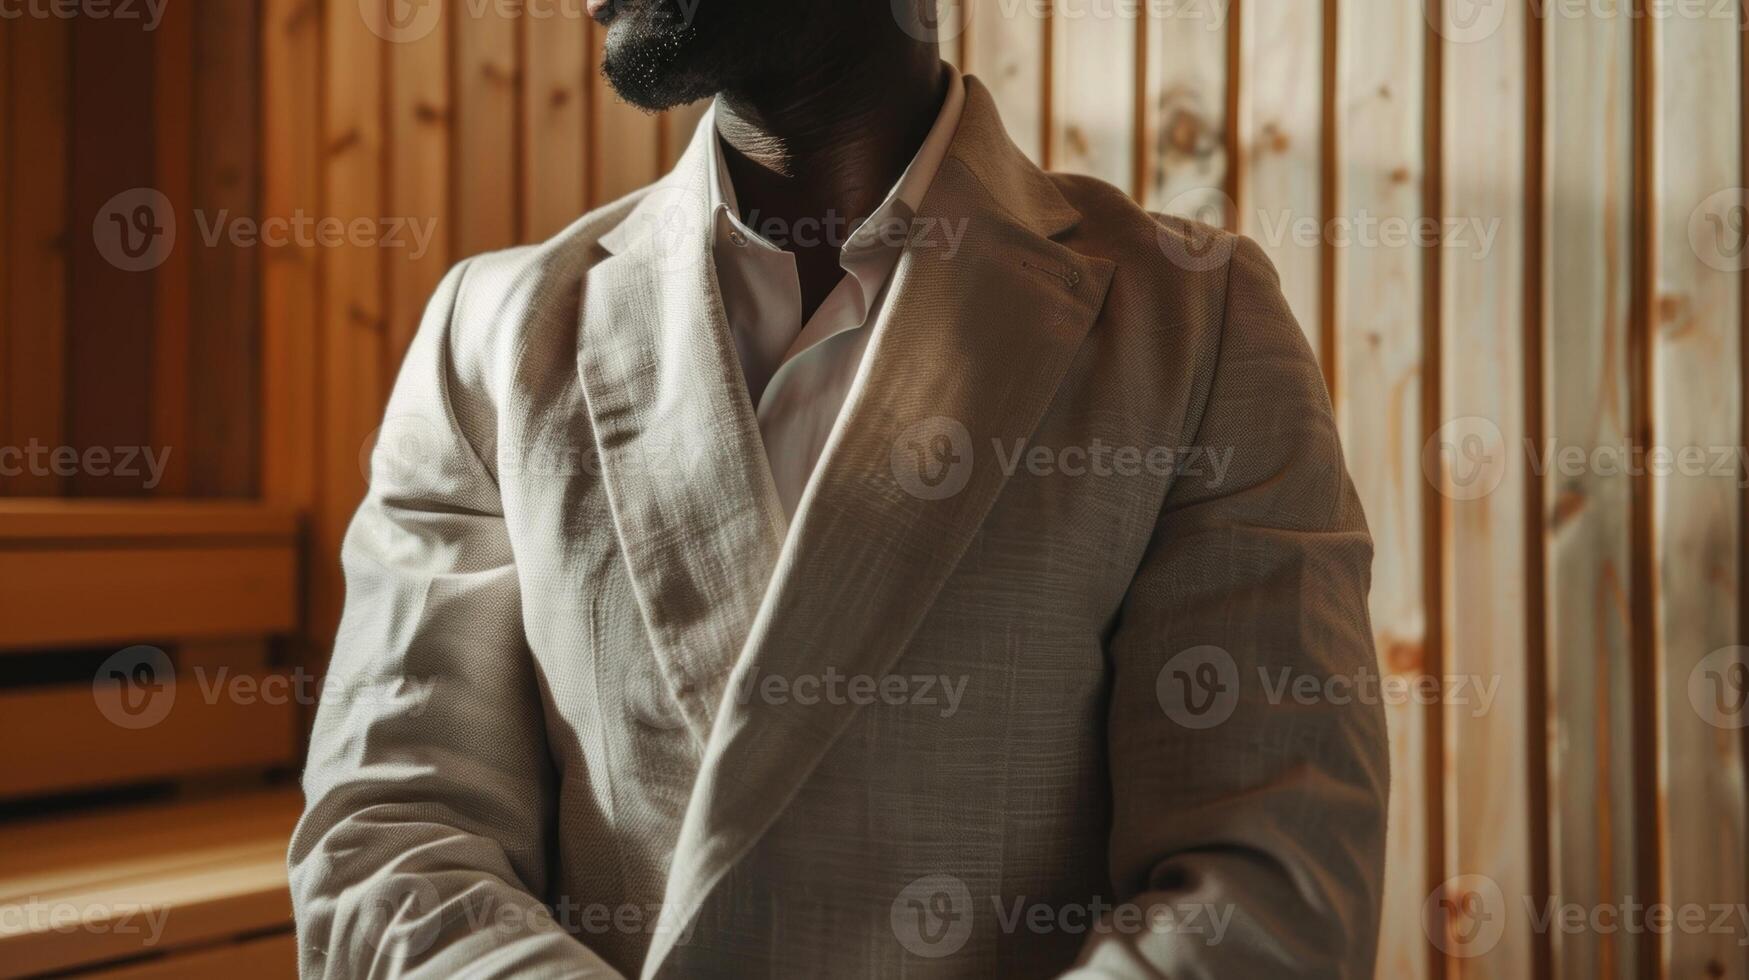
(1248, 772)
(422, 849)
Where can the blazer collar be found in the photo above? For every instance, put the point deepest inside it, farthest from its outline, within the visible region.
(968, 353)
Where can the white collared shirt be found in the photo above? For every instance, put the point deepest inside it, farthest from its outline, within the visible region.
(798, 374)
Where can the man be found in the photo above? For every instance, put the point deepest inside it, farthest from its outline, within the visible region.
(859, 554)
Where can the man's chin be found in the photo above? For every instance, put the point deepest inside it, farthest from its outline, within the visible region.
(655, 64)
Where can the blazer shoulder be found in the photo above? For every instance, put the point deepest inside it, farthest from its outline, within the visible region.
(508, 317)
(509, 293)
(1192, 257)
(494, 280)
(1190, 274)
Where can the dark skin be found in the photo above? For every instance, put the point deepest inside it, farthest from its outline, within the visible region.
(832, 145)
(823, 105)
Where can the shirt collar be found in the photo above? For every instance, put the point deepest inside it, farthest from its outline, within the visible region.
(872, 249)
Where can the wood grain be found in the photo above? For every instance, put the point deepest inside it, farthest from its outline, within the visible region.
(1004, 45)
(485, 139)
(352, 308)
(1696, 406)
(273, 957)
(1381, 362)
(1279, 167)
(418, 188)
(78, 591)
(291, 79)
(109, 317)
(1184, 114)
(230, 722)
(1093, 90)
(213, 869)
(1480, 442)
(37, 226)
(1587, 266)
(555, 164)
(173, 143)
(226, 325)
(678, 127)
(6, 322)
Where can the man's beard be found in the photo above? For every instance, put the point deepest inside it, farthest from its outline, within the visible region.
(663, 53)
(656, 57)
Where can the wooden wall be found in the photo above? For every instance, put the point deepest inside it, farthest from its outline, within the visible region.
(1599, 152)
(1582, 162)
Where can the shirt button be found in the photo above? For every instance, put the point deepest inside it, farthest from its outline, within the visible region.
(737, 238)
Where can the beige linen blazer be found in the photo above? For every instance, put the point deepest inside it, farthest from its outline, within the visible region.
(1044, 678)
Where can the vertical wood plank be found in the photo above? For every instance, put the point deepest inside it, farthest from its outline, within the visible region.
(1587, 265)
(173, 121)
(1743, 412)
(1479, 464)
(1378, 296)
(291, 184)
(1093, 90)
(7, 326)
(679, 124)
(109, 315)
(1004, 48)
(1698, 229)
(1184, 113)
(485, 139)
(624, 143)
(554, 160)
(1280, 152)
(36, 292)
(418, 189)
(352, 290)
(226, 328)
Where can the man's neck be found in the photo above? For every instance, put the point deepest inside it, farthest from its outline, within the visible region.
(819, 155)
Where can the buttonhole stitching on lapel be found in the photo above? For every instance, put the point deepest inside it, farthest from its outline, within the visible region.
(1072, 277)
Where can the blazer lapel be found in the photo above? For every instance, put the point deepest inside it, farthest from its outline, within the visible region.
(694, 505)
(968, 354)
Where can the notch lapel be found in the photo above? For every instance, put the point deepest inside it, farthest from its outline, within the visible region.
(685, 471)
(968, 353)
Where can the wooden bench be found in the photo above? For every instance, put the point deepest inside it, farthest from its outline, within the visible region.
(192, 885)
(183, 889)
